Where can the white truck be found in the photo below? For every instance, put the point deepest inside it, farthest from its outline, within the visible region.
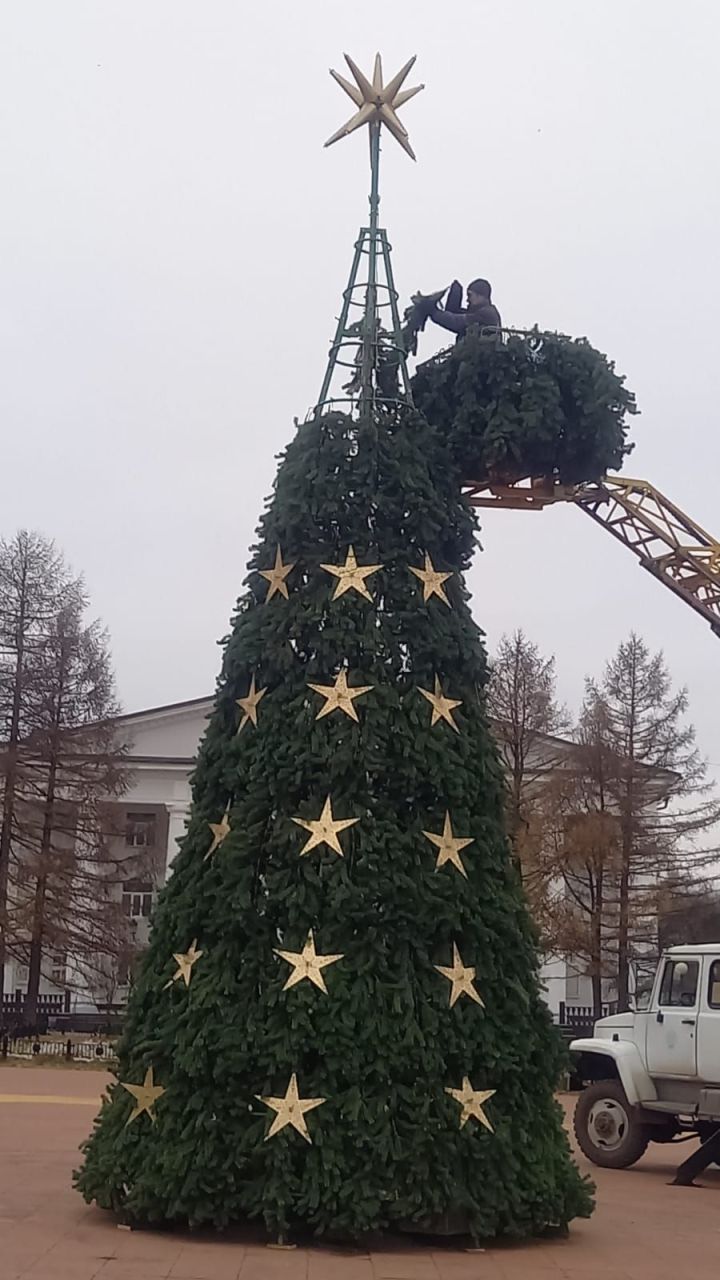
(652, 1075)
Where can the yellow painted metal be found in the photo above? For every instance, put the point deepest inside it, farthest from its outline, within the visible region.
(532, 493)
(666, 541)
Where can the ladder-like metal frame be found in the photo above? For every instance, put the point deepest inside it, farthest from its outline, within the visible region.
(666, 541)
(363, 345)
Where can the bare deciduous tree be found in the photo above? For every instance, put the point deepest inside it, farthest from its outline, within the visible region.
(33, 587)
(632, 816)
(602, 828)
(522, 700)
(527, 716)
(582, 852)
(667, 811)
(63, 763)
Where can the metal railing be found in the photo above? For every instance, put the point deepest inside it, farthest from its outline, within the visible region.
(570, 1015)
(75, 1051)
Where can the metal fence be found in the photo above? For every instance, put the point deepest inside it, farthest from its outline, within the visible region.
(75, 1051)
(582, 1015)
(46, 1004)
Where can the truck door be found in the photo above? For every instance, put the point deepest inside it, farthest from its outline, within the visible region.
(708, 1035)
(671, 1045)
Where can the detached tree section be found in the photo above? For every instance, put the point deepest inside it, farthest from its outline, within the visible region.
(540, 405)
(337, 1025)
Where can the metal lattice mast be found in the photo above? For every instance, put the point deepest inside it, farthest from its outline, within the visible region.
(370, 345)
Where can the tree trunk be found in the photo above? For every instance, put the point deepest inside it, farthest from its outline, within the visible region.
(623, 982)
(623, 978)
(9, 802)
(38, 925)
(596, 948)
(30, 1013)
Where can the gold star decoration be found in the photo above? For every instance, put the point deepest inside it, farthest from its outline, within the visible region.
(460, 978)
(145, 1095)
(339, 696)
(325, 830)
(351, 576)
(290, 1110)
(442, 707)
(276, 576)
(376, 102)
(471, 1100)
(220, 830)
(307, 964)
(449, 846)
(185, 961)
(432, 580)
(249, 705)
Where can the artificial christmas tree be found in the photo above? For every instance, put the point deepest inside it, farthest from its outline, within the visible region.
(338, 1025)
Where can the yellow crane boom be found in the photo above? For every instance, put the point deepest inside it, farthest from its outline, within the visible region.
(666, 541)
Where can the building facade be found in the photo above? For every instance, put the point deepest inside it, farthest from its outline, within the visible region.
(164, 742)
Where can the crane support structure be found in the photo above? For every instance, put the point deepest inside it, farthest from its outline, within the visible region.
(666, 541)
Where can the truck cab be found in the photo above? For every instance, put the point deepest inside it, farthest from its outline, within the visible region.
(654, 1073)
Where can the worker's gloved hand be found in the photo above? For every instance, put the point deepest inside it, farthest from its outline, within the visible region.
(454, 300)
(422, 306)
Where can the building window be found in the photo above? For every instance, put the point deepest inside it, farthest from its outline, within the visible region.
(58, 967)
(679, 984)
(140, 830)
(572, 989)
(137, 899)
(714, 987)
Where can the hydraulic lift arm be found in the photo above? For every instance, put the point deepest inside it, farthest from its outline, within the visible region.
(666, 541)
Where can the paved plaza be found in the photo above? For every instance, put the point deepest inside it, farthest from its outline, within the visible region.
(643, 1228)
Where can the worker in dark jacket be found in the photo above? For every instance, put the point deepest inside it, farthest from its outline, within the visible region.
(480, 311)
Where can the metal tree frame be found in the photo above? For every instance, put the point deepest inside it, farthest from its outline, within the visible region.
(667, 542)
(375, 347)
(370, 289)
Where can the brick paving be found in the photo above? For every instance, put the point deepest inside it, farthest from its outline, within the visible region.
(643, 1229)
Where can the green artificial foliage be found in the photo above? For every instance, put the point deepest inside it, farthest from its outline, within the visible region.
(383, 1045)
(539, 405)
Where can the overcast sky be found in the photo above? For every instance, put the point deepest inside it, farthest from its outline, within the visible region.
(174, 241)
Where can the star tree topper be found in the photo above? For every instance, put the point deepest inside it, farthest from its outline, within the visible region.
(290, 1110)
(145, 1095)
(376, 103)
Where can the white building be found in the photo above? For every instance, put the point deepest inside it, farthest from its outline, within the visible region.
(164, 741)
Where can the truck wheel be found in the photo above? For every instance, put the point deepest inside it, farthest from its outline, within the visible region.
(606, 1128)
